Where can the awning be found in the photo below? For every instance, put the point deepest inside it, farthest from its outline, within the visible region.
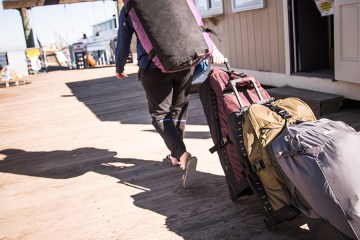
(97, 46)
(16, 4)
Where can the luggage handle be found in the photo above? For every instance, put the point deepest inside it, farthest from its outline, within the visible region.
(262, 101)
(227, 64)
(232, 84)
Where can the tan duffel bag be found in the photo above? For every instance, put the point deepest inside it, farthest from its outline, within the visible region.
(261, 124)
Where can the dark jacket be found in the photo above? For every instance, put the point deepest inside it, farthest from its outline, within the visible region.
(125, 33)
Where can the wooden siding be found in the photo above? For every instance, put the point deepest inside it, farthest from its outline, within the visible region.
(254, 39)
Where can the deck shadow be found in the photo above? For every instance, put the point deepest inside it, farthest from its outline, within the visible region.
(203, 211)
(191, 134)
(111, 99)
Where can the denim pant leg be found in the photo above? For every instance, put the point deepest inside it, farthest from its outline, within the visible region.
(168, 96)
(180, 104)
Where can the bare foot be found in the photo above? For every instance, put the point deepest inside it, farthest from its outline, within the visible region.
(183, 159)
(172, 161)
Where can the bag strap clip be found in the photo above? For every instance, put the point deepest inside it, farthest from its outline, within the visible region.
(259, 165)
(219, 145)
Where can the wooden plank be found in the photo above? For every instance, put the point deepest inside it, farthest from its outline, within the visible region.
(265, 29)
(258, 41)
(251, 39)
(281, 35)
(245, 40)
(238, 40)
(13, 83)
(349, 113)
(226, 43)
(274, 37)
(320, 103)
(231, 31)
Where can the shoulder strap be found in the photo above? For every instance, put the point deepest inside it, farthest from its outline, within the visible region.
(208, 30)
(129, 5)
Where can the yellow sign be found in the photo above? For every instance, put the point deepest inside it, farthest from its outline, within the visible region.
(326, 7)
(32, 52)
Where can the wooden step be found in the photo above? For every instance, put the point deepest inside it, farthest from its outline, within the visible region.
(321, 103)
(10, 83)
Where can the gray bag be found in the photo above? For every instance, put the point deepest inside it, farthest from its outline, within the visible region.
(320, 161)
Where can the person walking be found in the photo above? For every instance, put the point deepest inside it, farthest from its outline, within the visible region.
(167, 94)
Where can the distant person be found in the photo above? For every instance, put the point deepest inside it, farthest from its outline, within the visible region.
(1, 72)
(168, 97)
(91, 60)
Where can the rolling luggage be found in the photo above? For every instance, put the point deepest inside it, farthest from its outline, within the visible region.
(320, 162)
(214, 113)
(219, 101)
(232, 95)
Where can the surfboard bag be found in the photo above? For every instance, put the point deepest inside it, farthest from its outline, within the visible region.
(171, 32)
(321, 162)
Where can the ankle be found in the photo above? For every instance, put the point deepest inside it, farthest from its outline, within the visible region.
(183, 159)
(174, 160)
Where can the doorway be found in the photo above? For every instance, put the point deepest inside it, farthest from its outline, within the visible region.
(312, 40)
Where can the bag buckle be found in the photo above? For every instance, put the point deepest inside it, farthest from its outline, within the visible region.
(259, 165)
(219, 145)
(284, 114)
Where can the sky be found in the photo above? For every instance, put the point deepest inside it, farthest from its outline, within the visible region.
(69, 21)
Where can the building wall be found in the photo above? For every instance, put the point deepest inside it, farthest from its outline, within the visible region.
(252, 39)
(257, 42)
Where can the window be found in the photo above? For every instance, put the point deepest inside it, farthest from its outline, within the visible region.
(3, 59)
(209, 8)
(244, 5)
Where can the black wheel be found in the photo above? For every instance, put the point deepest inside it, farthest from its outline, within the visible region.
(269, 223)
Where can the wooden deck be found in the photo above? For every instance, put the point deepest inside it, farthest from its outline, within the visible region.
(79, 159)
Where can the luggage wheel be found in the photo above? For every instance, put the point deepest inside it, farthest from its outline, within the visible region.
(269, 223)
